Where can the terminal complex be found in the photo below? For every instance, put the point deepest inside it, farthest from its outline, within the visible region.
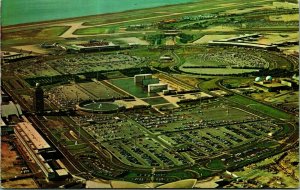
(199, 98)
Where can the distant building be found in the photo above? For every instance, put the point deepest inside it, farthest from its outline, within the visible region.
(138, 79)
(258, 79)
(290, 83)
(166, 58)
(38, 99)
(147, 82)
(93, 47)
(269, 78)
(243, 41)
(14, 56)
(169, 92)
(157, 87)
(271, 87)
(244, 44)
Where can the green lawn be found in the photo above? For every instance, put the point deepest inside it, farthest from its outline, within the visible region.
(203, 172)
(96, 30)
(217, 71)
(34, 35)
(236, 82)
(260, 107)
(216, 164)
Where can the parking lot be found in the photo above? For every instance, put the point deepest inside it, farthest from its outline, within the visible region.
(180, 137)
(96, 62)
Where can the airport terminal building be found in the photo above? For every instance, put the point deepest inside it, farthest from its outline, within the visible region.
(35, 146)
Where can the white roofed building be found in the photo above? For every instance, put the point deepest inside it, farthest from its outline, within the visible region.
(30, 140)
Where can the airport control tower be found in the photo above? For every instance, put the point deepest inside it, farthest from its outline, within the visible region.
(38, 99)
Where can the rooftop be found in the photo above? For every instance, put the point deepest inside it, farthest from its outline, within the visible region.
(242, 44)
(61, 172)
(270, 85)
(143, 75)
(94, 44)
(34, 136)
(2, 123)
(159, 84)
(11, 109)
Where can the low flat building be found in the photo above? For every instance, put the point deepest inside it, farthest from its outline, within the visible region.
(244, 44)
(147, 82)
(290, 83)
(93, 47)
(157, 87)
(271, 87)
(166, 58)
(14, 56)
(34, 144)
(62, 173)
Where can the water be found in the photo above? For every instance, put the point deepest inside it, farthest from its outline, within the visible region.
(26, 11)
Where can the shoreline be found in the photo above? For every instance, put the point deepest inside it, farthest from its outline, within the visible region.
(72, 19)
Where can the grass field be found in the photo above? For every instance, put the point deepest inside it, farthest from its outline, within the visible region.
(32, 35)
(215, 164)
(96, 30)
(237, 82)
(285, 18)
(260, 107)
(217, 71)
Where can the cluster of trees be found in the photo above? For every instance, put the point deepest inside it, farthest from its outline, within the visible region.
(155, 39)
(158, 39)
(48, 80)
(263, 72)
(206, 23)
(275, 72)
(185, 38)
(134, 71)
(198, 25)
